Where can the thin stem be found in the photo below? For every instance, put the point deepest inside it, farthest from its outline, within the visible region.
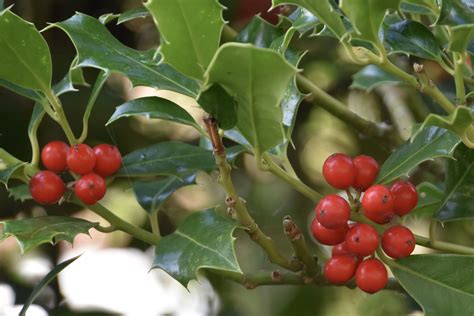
(294, 182)
(237, 206)
(119, 223)
(99, 83)
(459, 61)
(300, 248)
(251, 281)
(350, 197)
(341, 111)
(155, 224)
(32, 135)
(432, 231)
(61, 116)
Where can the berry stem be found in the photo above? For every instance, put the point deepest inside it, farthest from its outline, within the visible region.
(294, 182)
(155, 224)
(60, 117)
(300, 248)
(118, 223)
(241, 213)
(351, 198)
(99, 83)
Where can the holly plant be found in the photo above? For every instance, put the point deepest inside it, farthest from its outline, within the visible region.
(250, 85)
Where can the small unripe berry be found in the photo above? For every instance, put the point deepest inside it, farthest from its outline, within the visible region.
(46, 187)
(362, 239)
(367, 169)
(90, 188)
(371, 276)
(80, 159)
(405, 197)
(339, 171)
(339, 270)
(398, 242)
(333, 211)
(108, 160)
(53, 156)
(327, 236)
(378, 204)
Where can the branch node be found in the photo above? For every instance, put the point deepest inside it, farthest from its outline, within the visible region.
(213, 131)
(277, 276)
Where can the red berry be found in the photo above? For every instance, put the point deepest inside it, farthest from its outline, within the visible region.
(339, 270)
(333, 211)
(398, 242)
(90, 188)
(405, 196)
(46, 187)
(362, 239)
(53, 156)
(339, 171)
(367, 169)
(341, 250)
(108, 160)
(327, 236)
(371, 275)
(378, 204)
(80, 159)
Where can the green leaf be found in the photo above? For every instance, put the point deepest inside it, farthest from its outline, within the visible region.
(97, 48)
(107, 18)
(371, 77)
(166, 158)
(232, 153)
(428, 4)
(132, 14)
(190, 32)
(413, 38)
(429, 143)
(456, 203)
(72, 77)
(415, 8)
(441, 284)
(28, 93)
(429, 198)
(323, 10)
(25, 56)
(44, 282)
(367, 16)
(8, 166)
(154, 107)
(244, 70)
(222, 106)
(303, 20)
(32, 232)
(152, 194)
(456, 12)
(259, 33)
(20, 192)
(461, 37)
(203, 241)
(459, 121)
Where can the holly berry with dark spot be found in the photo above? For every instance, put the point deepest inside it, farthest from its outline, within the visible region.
(367, 169)
(378, 204)
(90, 188)
(46, 187)
(405, 197)
(398, 242)
(362, 239)
(328, 236)
(333, 211)
(80, 159)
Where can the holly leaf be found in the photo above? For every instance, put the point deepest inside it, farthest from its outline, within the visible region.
(153, 107)
(152, 194)
(166, 158)
(36, 96)
(244, 70)
(132, 14)
(371, 77)
(456, 12)
(412, 38)
(415, 8)
(443, 288)
(97, 48)
(259, 33)
(20, 192)
(429, 199)
(459, 121)
(203, 241)
(74, 76)
(323, 10)
(8, 166)
(461, 37)
(190, 32)
(456, 203)
(220, 104)
(429, 143)
(367, 16)
(26, 60)
(32, 232)
(303, 20)
(44, 283)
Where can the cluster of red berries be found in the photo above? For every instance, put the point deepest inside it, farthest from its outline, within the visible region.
(354, 241)
(92, 164)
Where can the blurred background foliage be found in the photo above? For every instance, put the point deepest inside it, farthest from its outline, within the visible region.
(317, 134)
